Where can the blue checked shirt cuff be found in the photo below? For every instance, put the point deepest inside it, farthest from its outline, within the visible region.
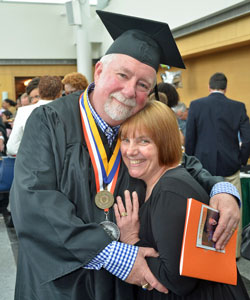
(117, 258)
(226, 187)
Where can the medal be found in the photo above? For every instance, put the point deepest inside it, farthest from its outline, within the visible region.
(106, 171)
(104, 199)
(111, 229)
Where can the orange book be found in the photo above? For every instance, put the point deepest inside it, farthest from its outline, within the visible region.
(199, 258)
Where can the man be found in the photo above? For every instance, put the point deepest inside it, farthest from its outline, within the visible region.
(49, 88)
(68, 167)
(212, 133)
(24, 99)
(181, 112)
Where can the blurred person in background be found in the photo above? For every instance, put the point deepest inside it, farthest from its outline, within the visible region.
(24, 99)
(8, 104)
(213, 126)
(32, 90)
(170, 91)
(181, 112)
(167, 94)
(74, 82)
(7, 120)
(3, 138)
(48, 89)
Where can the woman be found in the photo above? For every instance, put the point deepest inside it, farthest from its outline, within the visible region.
(74, 82)
(151, 150)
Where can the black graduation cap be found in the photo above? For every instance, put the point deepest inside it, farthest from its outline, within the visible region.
(150, 42)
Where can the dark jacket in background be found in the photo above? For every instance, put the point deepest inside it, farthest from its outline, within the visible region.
(213, 125)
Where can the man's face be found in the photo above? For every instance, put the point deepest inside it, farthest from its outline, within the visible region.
(121, 88)
(182, 115)
(25, 101)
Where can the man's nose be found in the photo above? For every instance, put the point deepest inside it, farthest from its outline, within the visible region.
(129, 90)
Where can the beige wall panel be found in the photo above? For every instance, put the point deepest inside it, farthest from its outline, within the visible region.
(8, 74)
(225, 35)
(235, 64)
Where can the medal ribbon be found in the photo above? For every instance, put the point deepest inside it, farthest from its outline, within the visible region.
(104, 170)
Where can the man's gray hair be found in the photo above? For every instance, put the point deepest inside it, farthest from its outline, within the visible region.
(180, 107)
(106, 59)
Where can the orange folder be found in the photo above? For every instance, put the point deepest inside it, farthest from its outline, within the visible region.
(199, 259)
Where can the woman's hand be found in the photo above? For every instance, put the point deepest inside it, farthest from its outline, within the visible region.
(127, 218)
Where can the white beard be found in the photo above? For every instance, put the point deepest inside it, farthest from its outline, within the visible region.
(117, 111)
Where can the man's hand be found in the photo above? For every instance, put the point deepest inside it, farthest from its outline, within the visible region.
(141, 274)
(229, 218)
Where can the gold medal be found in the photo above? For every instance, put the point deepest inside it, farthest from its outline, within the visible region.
(104, 199)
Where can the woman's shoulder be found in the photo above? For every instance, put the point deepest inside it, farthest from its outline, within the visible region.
(178, 175)
(179, 182)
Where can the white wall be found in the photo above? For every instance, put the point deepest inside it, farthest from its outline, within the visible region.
(32, 31)
(173, 12)
(41, 31)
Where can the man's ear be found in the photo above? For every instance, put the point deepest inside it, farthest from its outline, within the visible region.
(98, 70)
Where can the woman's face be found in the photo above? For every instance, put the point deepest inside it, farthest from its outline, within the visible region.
(140, 155)
(68, 88)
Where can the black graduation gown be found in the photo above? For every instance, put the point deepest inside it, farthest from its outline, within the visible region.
(53, 209)
(162, 219)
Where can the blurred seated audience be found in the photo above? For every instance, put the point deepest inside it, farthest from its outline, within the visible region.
(3, 138)
(74, 82)
(7, 120)
(49, 89)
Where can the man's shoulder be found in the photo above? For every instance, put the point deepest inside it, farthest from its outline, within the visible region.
(199, 101)
(235, 102)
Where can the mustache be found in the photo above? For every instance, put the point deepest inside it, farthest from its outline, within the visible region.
(127, 101)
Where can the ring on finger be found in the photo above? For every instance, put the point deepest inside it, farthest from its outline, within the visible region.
(233, 230)
(124, 214)
(145, 286)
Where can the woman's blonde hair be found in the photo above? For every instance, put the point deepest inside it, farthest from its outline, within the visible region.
(160, 124)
